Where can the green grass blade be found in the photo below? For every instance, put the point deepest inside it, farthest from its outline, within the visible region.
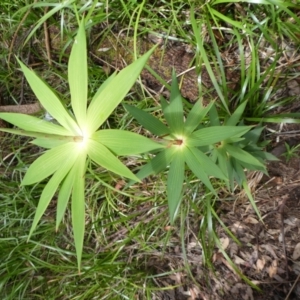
(175, 184)
(50, 189)
(215, 134)
(148, 121)
(102, 156)
(102, 106)
(173, 112)
(228, 20)
(78, 76)
(123, 142)
(197, 30)
(195, 116)
(50, 101)
(48, 163)
(250, 197)
(56, 7)
(34, 124)
(231, 263)
(78, 207)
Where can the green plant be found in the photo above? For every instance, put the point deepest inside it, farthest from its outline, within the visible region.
(208, 148)
(235, 154)
(290, 152)
(77, 139)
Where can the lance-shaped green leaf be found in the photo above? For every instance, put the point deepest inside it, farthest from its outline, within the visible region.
(64, 196)
(174, 111)
(50, 101)
(113, 93)
(254, 134)
(102, 156)
(148, 121)
(175, 184)
(30, 123)
(44, 136)
(207, 164)
(197, 168)
(78, 207)
(215, 134)
(242, 155)
(236, 117)
(78, 76)
(195, 116)
(48, 143)
(123, 142)
(50, 189)
(49, 162)
(156, 164)
(214, 116)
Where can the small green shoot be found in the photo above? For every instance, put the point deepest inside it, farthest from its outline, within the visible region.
(291, 152)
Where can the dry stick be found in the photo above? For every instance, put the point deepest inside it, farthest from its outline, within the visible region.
(293, 286)
(23, 77)
(280, 210)
(16, 33)
(28, 109)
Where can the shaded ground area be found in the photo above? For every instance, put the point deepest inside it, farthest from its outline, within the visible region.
(269, 251)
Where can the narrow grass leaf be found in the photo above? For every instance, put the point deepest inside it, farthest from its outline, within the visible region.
(78, 207)
(48, 163)
(242, 155)
(227, 230)
(102, 156)
(149, 122)
(195, 116)
(215, 134)
(78, 76)
(50, 101)
(200, 48)
(49, 190)
(250, 197)
(175, 184)
(196, 168)
(173, 112)
(103, 105)
(34, 124)
(46, 16)
(232, 264)
(123, 142)
(228, 20)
